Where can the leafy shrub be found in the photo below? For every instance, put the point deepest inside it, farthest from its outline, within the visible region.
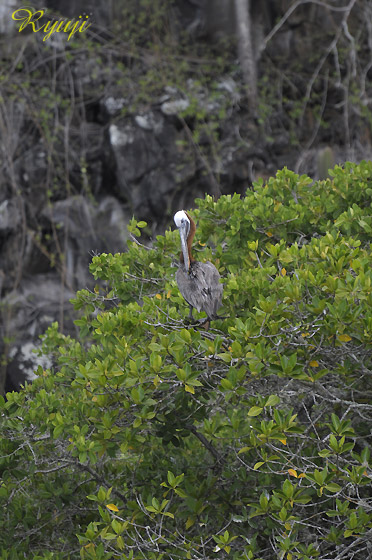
(153, 439)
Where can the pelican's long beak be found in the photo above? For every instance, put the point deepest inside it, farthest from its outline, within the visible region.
(184, 232)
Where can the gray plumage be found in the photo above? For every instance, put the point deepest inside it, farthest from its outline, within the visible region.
(199, 283)
(201, 287)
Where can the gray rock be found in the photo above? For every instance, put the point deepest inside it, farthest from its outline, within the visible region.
(113, 105)
(25, 359)
(121, 137)
(171, 90)
(174, 107)
(34, 304)
(10, 216)
(86, 228)
(150, 121)
(7, 24)
(2, 276)
(150, 163)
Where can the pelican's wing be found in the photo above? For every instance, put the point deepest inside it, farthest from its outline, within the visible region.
(201, 288)
(212, 288)
(186, 285)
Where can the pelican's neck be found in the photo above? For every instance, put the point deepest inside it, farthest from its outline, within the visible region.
(190, 239)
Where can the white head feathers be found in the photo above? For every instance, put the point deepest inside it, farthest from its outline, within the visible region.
(180, 217)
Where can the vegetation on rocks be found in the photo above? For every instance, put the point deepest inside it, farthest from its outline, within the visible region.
(151, 438)
(147, 110)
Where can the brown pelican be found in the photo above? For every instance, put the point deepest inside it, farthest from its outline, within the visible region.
(198, 282)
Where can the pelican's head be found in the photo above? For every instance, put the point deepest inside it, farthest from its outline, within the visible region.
(182, 221)
(181, 218)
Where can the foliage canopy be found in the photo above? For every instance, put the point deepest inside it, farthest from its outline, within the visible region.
(150, 438)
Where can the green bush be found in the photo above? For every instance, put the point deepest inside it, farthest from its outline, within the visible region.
(153, 439)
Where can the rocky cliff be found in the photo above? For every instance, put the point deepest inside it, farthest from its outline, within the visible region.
(142, 113)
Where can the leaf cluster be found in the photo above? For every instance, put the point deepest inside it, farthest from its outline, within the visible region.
(153, 438)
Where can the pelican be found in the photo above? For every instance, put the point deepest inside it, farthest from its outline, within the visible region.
(199, 283)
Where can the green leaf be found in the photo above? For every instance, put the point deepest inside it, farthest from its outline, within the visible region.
(273, 400)
(189, 389)
(226, 384)
(171, 478)
(333, 487)
(255, 410)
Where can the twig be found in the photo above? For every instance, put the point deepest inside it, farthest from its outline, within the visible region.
(207, 444)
